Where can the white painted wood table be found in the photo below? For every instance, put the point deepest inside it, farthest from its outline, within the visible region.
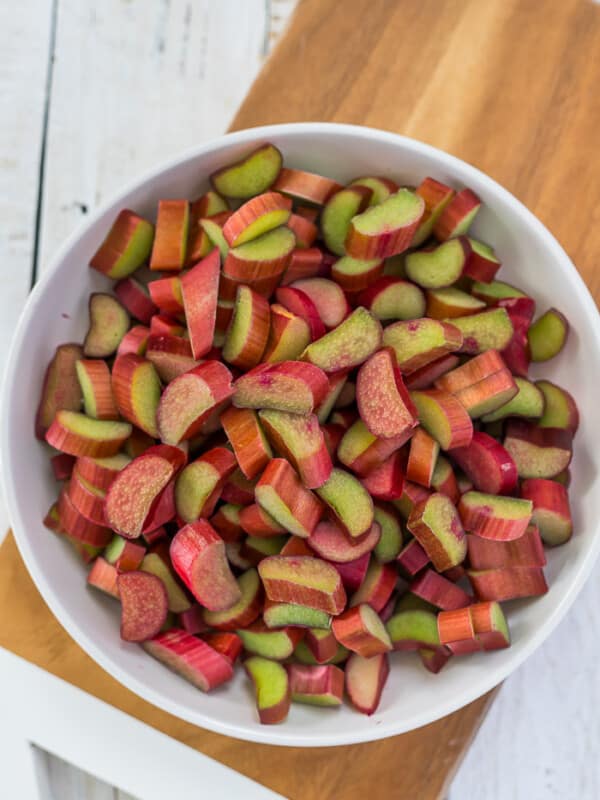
(92, 95)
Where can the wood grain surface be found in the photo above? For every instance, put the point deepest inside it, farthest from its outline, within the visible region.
(510, 86)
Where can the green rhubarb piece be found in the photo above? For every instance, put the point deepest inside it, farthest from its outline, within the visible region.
(547, 335)
(390, 541)
(278, 615)
(413, 627)
(194, 485)
(528, 402)
(251, 176)
(249, 586)
(176, 597)
(490, 330)
(419, 341)
(303, 654)
(439, 267)
(274, 644)
(560, 409)
(271, 245)
(494, 291)
(336, 216)
(399, 301)
(348, 345)
(215, 233)
(349, 500)
(109, 322)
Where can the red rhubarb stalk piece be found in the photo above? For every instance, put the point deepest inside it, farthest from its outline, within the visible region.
(386, 481)
(551, 510)
(361, 630)
(126, 246)
(331, 542)
(136, 387)
(316, 685)
(508, 583)
(61, 389)
(526, 551)
(435, 524)
(293, 386)
(170, 239)
(495, 517)
(303, 580)
(143, 605)
(280, 493)
(135, 298)
(422, 457)
(271, 683)
(248, 330)
(300, 440)
(199, 289)
(199, 484)
(245, 611)
(439, 591)
(103, 576)
(365, 680)
(256, 217)
(191, 658)
(377, 586)
(80, 435)
(383, 401)
(487, 464)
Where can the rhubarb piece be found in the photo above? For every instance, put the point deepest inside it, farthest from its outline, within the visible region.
(213, 228)
(257, 216)
(73, 523)
(101, 472)
(251, 175)
(440, 266)
(482, 384)
(426, 376)
(412, 494)
(386, 481)
(362, 452)
(360, 630)
(136, 388)
(383, 401)
(493, 291)
(225, 643)
(526, 551)
(96, 388)
(170, 239)
(560, 409)
(126, 246)
(386, 229)
(292, 386)
(170, 355)
(338, 212)
(331, 542)
(135, 299)
(191, 658)
(335, 389)
(296, 546)
(143, 605)
(62, 466)
(103, 576)
(493, 517)
(226, 522)
(456, 625)
(256, 522)
(380, 188)
(109, 322)
(303, 654)
(528, 402)
(551, 511)
(509, 583)
(265, 257)
(305, 263)
(199, 484)
(288, 336)
(349, 501)
(300, 440)
(243, 612)
(299, 303)
(487, 464)
(245, 434)
(548, 335)
(489, 625)
(278, 615)
(280, 493)
(167, 295)
(351, 343)
(61, 389)
(159, 563)
(443, 479)
(436, 196)
(457, 216)
(482, 264)
(189, 399)
(489, 330)
(420, 341)
(435, 523)
(411, 629)
(422, 458)
(377, 586)
(255, 548)
(275, 644)
(271, 683)
(439, 591)
(87, 499)
(434, 659)
(238, 489)
(327, 297)
(322, 644)
(390, 542)
(516, 353)
(443, 417)
(192, 620)
(538, 452)
(133, 500)
(306, 186)
(352, 573)
(447, 303)
(198, 557)
(303, 229)
(365, 679)
(393, 299)
(199, 288)
(316, 685)
(248, 330)
(80, 435)
(303, 580)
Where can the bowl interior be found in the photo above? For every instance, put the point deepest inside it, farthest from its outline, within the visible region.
(57, 312)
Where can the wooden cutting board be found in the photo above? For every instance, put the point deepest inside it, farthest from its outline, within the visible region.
(509, 85)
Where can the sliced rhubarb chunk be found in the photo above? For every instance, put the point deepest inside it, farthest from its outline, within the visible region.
(143, 605)
(526, 551)
(79, 435)
(245, 611)
(136, 388)
(199, 289)
(199, 484)
(135, 298)
(386, 229)
(450, 302)
(493, 291)
(351, 343)
(376, 587)
(126, 246)
(393, 299)
(243, 429)
(95, 381)
(256, 217)
(293, 386)
(103, 576)
(356, 274)
(361, 630)
(422, 457)
(171, 356)
(288, 336)
(413, 628)
(436, 196)
(272, 686)
(158, 563)
(381, 188)
(560, 409)
(304, 581)
(268, 256)
(321, 685)
(352, 573)
(328, 298)
(255, 521)
(482, 384)
(444, 480)
(331, 542)
(457, 216)
(251, 175)
(528, 402)
(483, 263)
(439, 266)
(435, 523)
(488, 330)
(109, 322)
(338, 213)
(248, 331)
(362, 452)
(306, 186)
(278, 615)
(493, 517)
(386, 481)
(444, 417)
(420, 341)
(548, 335)
(301, 304)
(551, 510)
(322, 644)
(349, 501)
(390, 541)
(191, 658)
(487, 464)
(383, 401)
(538, 452)
(269, 643)
(508, 583)
(300, 440)
(439, 591)
(280, 493)
(169, 249)
(365, 680)
(61, 389)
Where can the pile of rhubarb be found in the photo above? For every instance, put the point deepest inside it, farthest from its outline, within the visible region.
(303, 436)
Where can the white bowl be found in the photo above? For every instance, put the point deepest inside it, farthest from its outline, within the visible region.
(57, 312)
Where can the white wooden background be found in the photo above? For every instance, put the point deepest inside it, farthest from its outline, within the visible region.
(93, 94)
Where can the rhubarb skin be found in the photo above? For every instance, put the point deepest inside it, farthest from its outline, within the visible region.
(365, 680)
(321, 685)
(288, 336)
(299, 303)
(444, 417)
(418, 342)
(495, 517)
(61, 389)
(199, 288)
(383, 401)
(306, 186)
(294, 386)
(191, 658)
(126, 246)
(351, 343)
(551, 510)
(103, 576)
(144, 605)
(376, 587)
(79, 435)
(280, 493)
(436, 525)
(257, 216)
(170, 239)
(509, 583)
(136, 388)
(457, 216)
(360, 630)
(271, 683)
(305, 263)
(412, 558)
(135, 298)
(439, 591)
(387, 229)
(198, 557)
(304, 581)
(422, 458)
(538, 452)
(362, 452)
(245, 611)
(245, 435)
(386, 482)
(248, 330)
(300, 440)
(526, 551)
(487, 464)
